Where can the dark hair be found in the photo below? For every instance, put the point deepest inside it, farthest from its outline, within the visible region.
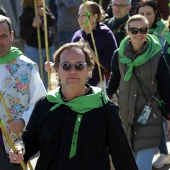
(78, 45)
(153, 5)
(28, 3)
(94, 8)
(7, 20)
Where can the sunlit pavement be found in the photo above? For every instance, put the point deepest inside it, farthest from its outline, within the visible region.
(166, 167)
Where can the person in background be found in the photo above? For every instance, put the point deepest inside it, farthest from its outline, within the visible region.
(120, 9)
(140, 57)
(104, 40)
(28, 31)
(70, 130)
(156, 27)
(134, 4)
(67, 19)
(109, 13)
(20, 85)
(150, 10)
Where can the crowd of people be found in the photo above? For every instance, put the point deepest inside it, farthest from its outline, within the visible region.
(122, 48)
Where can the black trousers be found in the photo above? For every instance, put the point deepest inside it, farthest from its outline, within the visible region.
(4, 161)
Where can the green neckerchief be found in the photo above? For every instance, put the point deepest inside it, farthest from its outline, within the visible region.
(160, 26)
(153, 48)
(14, 53)
(167, 36)
(80, 105)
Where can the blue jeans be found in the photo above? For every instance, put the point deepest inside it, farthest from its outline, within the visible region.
(65, 37)
(33, 54)
(144, 158)
(162, 146)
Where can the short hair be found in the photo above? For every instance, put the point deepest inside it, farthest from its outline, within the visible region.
(153, 5)
(7, 20)
(75, 45)
(28, 3)
(94, 8)
(137, 17)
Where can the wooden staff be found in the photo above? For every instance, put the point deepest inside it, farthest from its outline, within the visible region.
(95, 49)
(46, 42)
(10, 118)
(24, 167)
(39, 43)
(100, 2)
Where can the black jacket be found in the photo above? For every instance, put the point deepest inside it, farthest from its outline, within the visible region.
(117, 26)
(29, 33)
(101, 132)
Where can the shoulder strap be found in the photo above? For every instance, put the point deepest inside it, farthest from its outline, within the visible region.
(161, 103)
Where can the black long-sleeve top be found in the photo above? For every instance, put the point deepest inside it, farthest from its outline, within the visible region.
(29, 33)
(101, 132)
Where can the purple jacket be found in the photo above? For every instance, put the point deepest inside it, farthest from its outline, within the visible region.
(106, 45)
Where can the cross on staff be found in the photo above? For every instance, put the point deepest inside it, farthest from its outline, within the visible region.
(39, 42)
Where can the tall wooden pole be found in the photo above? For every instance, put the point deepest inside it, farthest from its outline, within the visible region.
(39, 43)
(46, 41)
(5, 133)
(94, 44)
(10, 118)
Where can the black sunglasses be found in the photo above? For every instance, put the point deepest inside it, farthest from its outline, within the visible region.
(143, 30)
(68, 66)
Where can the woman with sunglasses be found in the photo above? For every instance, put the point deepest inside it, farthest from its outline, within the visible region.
(90, 14)
(139, 58)
(157, 26)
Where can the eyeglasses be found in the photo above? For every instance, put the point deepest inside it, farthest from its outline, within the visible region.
(121, 6)
(68, 66)
(143, 30)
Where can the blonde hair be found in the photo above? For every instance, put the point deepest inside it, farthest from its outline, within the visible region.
(137, 17)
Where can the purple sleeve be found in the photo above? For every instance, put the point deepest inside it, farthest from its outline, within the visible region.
(106, 45)
(77, 36)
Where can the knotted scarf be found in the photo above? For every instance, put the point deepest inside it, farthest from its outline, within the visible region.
(14, 53)
(153, 48)
(80, 105)
(160, 26)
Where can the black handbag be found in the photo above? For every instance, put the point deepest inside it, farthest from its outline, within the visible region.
(161, 103)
